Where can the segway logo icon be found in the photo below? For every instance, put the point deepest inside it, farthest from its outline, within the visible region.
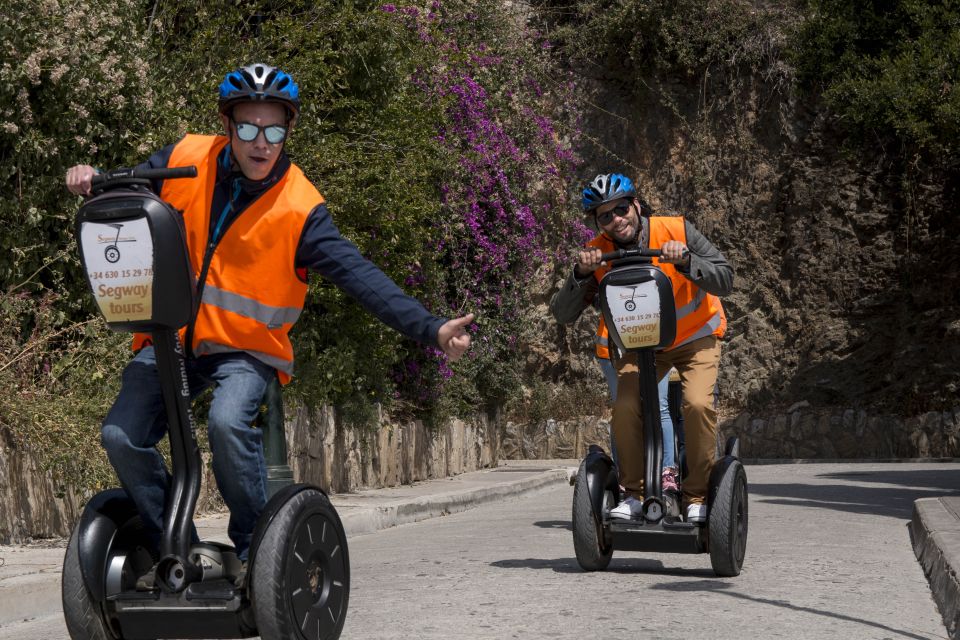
(112, 252)
(122, 281)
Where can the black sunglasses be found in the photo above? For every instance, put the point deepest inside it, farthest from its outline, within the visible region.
(621, 210)
(272, 133)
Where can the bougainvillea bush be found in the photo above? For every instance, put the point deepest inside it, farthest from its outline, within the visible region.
(504, 136)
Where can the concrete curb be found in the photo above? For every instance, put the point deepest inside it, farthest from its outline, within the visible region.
(935, 534)
(29, 596)
(37, 593)
(370, 519)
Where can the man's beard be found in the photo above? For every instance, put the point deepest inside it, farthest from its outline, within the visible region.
(627, 244)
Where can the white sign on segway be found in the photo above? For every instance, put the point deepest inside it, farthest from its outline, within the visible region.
(635, 311)
(119, 262)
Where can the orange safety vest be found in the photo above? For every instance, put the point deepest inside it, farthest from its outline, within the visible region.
(252, 295)
(699, 313)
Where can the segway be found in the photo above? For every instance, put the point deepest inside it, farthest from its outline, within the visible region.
(637, 302)
(297, 582)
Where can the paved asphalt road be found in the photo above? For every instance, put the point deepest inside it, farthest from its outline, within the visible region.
(828, 556)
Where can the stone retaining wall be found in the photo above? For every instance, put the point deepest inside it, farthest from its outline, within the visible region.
(554, 439)
(321, 450)
(801, 432)
(341, 458)
(804, 432)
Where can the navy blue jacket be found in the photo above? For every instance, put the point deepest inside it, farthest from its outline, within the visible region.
(321, 249)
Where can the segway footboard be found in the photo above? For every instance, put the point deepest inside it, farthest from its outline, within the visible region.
(657, 537)
(200, 611)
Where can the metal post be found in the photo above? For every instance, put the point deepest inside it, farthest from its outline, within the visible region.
(279, 473)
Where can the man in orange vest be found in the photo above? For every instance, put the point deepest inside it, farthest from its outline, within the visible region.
(254, 225)
(699, 274)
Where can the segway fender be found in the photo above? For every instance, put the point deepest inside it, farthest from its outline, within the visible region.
(600, 475)
(280, 498)
(102, 517)
(732, 447)
(719, 469)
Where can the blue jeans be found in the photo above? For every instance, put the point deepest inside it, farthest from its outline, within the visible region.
(666, 422)
(137, 422)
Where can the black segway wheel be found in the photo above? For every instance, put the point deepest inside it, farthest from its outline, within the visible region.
(728, 522)
(301, 574)
(592, 549)
(80, 611)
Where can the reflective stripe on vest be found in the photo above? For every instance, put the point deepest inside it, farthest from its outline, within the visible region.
(699, 313)
(252, 295)
(273, 317)
(693, 305)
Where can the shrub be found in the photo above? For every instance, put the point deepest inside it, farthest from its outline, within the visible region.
(887, 69)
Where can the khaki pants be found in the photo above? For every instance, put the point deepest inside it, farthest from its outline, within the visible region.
(696, 363)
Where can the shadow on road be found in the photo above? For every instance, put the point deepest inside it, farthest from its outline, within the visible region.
(617, 565)
(850, 496)
(554, 524)
(721, 587)
(943, 480)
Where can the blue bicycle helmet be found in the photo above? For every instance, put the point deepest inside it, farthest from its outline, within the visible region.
(607, 187)
(259, 82)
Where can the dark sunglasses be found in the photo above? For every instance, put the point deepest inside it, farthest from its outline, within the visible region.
(605, 218)
(272, 133)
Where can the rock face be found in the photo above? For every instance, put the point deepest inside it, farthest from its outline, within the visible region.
(321, 450)
(847, 289)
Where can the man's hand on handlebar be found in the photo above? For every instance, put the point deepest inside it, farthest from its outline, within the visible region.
(675, 252)
(79, 179)
(588, 261)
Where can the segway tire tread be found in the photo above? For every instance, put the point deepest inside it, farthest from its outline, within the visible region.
(728, 522)
(80, 612)
(586, 541)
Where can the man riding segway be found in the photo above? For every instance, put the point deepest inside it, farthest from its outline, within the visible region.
(253, 226)
(699, 274)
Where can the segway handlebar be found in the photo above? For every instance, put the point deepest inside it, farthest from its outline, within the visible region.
(125, 174)
(620, 254)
